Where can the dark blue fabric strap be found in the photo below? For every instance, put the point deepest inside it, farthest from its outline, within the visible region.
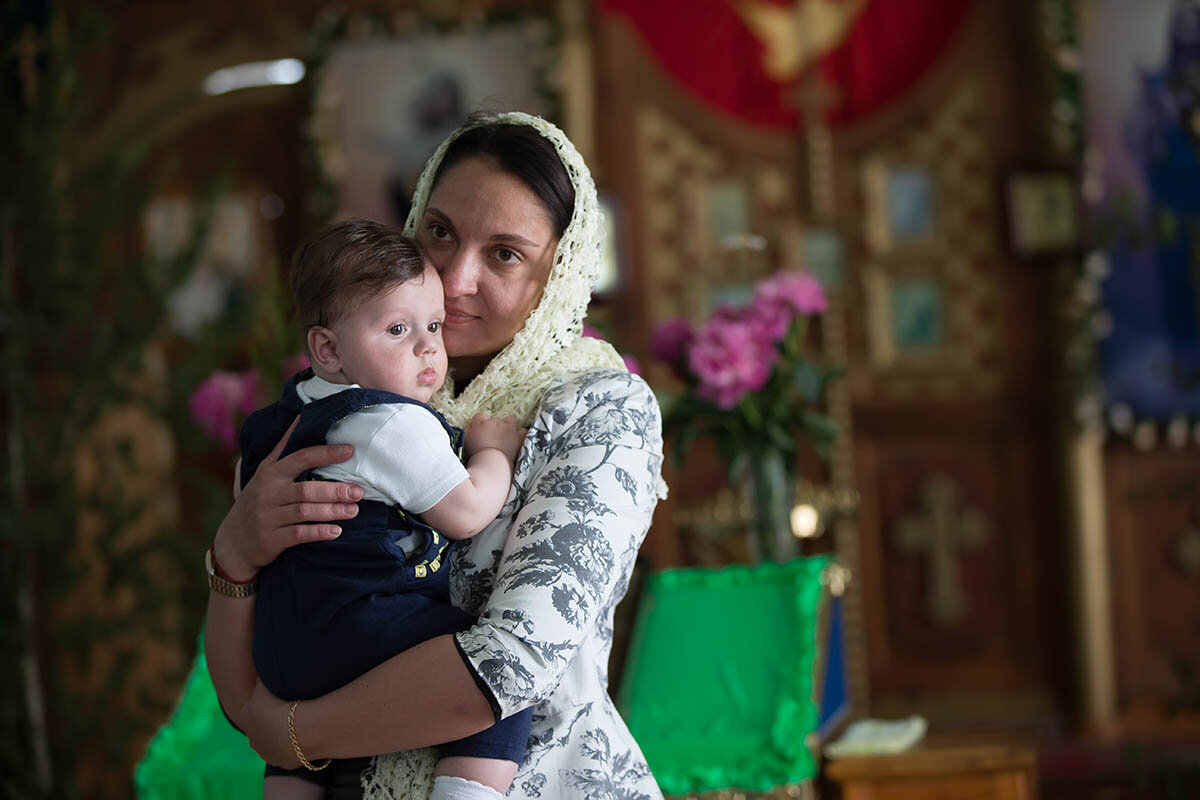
(263, 429)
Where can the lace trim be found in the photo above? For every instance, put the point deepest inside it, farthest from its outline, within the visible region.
(551, 343)
(407, 775)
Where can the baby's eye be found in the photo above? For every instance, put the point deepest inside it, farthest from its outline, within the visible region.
(434, 327)
(397, 330)
(506, 256)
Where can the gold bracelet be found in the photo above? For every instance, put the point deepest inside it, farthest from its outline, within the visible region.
(296, 742)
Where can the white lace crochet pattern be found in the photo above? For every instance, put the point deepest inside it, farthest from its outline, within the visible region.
(400, 776)
(551, 343)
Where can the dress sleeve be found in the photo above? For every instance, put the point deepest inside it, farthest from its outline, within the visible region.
(570, 549)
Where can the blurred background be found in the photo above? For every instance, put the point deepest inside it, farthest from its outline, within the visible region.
(1000, 447)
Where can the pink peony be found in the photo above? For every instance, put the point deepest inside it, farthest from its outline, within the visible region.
(670, 340)
(792, 288)
(729, 358)
(215, 400)
(592, 333)
(768, 319)
(293, 364)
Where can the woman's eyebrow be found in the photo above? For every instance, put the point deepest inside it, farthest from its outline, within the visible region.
(513, 238)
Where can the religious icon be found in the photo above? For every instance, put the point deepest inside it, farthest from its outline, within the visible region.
(901, 205)
(1042, 213)
(906, 317)
(383, 105)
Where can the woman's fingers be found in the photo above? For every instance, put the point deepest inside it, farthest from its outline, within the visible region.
(315, 512)
(299, 534)
(325, 492)
(311, 457)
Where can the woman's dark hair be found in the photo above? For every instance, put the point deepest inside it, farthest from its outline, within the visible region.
(523, 153)
(332, 272)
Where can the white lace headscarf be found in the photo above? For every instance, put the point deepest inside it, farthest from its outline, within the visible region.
(551, 343)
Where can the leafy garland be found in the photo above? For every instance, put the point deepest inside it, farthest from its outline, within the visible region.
(84, 315)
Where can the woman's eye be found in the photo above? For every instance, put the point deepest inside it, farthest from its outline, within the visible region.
(434, 327)
(439, 232)
(506, 256)
(397, 330)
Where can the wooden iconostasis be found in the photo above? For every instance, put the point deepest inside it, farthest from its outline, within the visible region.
(959, 605)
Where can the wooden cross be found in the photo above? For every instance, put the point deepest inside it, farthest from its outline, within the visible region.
(814, 97)
(940, 532)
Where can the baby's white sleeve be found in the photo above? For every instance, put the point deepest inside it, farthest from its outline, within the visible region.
(409, 459)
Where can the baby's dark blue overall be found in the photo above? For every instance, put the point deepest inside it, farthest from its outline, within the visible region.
(329, 611)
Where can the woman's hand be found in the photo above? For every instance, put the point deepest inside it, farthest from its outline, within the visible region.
(273, 512)
(264, 718)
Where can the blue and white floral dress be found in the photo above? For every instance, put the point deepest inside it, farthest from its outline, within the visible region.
(545, 578)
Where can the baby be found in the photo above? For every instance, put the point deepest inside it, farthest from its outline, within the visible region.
(372, 310)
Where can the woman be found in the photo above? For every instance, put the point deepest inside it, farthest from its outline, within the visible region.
(507, 212)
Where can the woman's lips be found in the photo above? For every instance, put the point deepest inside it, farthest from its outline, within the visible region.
(458, 317)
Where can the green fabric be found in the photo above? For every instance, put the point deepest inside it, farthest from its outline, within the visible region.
(198, 754)
(719, 685)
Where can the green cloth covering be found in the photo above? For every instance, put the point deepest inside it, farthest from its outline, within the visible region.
(198, 754)
(719, 686)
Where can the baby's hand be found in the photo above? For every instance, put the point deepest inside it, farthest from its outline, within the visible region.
(503, 434)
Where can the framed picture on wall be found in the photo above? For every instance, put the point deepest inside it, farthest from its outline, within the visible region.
(383, 105)
(901, 205)
(908, 322)
(1042, 211)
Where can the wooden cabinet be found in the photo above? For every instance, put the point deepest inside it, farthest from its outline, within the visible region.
(934, 771)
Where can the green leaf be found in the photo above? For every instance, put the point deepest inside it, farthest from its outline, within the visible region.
(808, 380)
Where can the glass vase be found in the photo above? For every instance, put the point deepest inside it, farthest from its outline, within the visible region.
(769, 491)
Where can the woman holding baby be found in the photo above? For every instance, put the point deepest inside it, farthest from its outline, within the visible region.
(507, 212)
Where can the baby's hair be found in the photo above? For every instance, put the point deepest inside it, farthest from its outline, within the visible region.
(348, 261)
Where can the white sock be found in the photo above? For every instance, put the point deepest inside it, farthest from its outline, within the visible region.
(452, 787)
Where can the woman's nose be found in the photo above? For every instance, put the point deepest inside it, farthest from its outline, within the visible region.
(460, 275)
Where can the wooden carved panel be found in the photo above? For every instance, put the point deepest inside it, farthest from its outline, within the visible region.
(961, 527)
(947, 546)
(1154, 528)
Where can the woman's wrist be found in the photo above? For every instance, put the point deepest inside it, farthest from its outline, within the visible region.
(227, 563)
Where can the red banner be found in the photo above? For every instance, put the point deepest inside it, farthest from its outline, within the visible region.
(747, 58)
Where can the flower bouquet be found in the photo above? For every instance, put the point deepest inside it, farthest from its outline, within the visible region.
(752, 388)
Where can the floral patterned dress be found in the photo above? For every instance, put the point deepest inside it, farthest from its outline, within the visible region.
(545, 578)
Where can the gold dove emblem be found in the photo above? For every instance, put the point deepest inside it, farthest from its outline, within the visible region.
(797, 35)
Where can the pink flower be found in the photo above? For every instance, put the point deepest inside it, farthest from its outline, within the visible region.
(769, 319)
(592, 333)
(215, 400)
(670, 340)
(632, 364)
(293, 364)
(729, 358)
(792, 288)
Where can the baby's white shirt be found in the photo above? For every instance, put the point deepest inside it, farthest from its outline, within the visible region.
(402, 455)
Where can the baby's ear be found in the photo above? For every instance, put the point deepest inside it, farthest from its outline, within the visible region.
(322, 344)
